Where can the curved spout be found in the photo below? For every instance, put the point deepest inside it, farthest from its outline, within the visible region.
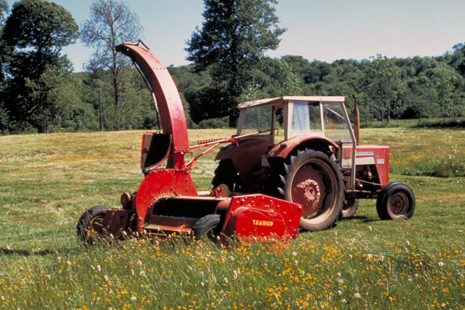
(168, 101)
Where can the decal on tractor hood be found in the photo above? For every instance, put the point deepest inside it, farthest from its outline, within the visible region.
(365, 153)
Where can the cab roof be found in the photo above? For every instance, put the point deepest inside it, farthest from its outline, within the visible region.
(281, 101)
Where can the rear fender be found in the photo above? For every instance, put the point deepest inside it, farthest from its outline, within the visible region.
(247, 155)
(291, 146)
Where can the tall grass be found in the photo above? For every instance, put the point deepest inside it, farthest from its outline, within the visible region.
(47, 181)
(447, 159)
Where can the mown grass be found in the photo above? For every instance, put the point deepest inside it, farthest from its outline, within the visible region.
(47, 181)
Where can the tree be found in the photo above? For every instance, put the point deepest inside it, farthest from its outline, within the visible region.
(449, 86)
(111, 23)
(32, 40)
(3, 10)
(384, 77)
(234, 38)
(284, 81)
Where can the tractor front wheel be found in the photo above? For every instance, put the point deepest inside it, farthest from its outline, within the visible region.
(207, 226)
(314, 180)
(90, 226)
(395, 201)
(350, 208)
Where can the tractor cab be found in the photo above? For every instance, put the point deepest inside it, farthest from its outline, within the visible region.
(301, 122)
(297, 116)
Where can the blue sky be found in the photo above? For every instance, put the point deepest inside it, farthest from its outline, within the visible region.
(325, 30)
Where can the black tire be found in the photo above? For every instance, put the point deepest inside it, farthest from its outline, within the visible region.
(350, 208)
(207, 227)
(90, 227)
(226, 174)
(315, 181)
(395, 201)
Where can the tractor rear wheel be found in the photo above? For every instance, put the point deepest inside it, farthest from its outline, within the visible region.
(314, 180)
(90, 226)
(226, 174)
(395, 201)
(350, 208)
(207, 226)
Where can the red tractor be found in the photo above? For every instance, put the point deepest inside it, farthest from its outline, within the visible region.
(317, 163)
(263, 192)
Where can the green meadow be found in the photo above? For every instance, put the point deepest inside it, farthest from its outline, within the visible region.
(48, 181)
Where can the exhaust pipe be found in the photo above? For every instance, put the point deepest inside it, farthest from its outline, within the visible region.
(356, 121)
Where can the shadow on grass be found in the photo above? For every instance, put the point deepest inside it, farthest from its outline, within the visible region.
(31, 253)
(364, 219)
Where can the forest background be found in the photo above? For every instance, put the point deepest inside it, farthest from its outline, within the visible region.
(40, 93)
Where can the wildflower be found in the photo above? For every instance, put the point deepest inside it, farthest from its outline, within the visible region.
(68, 262)
(132, 271)
(294, 253)
(98, 268)
(441, 264)
(226, 280)
(357, 295)
(369, 227)
(235, 274)
(408, 243)
(106, 278)
(133, 298)
(339, 274)
(8, 247)
(93, 268)
(142, 273)
(201, 283)
(344, 301)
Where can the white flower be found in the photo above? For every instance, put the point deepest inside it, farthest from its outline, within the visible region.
(294, 253)
(133, 298)
(441, 264)
(357, 295)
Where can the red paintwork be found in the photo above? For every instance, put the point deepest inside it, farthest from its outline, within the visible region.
(116, 221)
(260, 218)
(161, 183)
(169, 103)
(378, 152)
(381, 154)
(308, 189)
(285, 148)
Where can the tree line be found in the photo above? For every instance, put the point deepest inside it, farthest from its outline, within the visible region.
(39, 92)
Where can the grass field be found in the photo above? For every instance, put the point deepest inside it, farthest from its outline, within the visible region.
(48, 181)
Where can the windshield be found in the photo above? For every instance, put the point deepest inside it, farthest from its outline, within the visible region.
(257, 119)
(336, 125)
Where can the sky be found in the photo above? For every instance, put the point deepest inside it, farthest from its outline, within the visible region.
(324, 30)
